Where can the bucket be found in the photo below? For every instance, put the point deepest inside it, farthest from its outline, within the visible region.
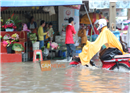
(9, 29)
(64, 54)
(78, 52)
(24, 57)
(36, 46)
(9, 50)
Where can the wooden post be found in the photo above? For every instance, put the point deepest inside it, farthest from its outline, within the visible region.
(128, 14)
(112, 16)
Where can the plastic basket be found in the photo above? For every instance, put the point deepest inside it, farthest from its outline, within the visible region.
(9, 29)
(22, 39)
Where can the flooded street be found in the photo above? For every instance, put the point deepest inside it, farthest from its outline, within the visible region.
(27, 77)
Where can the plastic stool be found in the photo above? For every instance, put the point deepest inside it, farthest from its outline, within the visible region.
(37, 55)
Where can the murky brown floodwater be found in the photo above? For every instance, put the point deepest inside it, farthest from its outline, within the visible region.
(27, 77)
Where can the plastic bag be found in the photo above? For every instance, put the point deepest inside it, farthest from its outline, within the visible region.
(50, 9)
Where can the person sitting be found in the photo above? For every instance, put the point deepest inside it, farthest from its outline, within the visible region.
(105, 37)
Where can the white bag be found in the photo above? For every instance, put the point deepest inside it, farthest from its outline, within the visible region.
(50, 9)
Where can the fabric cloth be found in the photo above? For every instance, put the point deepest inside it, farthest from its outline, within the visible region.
(91, 48)
(41, 33)
(34, 23)
(82, 34)
(69, 34)
(95, 29)
(41, 44)
(70, 49)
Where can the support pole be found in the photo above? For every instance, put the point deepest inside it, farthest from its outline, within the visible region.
(128, 28)
(112, 15)
(128, 14)
(128, 35)
(89, 18)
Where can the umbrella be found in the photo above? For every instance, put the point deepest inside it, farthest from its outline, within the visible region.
(93, 17)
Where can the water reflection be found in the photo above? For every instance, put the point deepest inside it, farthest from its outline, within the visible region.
(28, 78)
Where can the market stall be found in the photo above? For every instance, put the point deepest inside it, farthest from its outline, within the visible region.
(25, 3)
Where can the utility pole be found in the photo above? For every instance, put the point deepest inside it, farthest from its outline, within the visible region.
(112, 16)
(128, 14)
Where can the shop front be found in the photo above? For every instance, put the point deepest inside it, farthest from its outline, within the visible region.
(15, 16)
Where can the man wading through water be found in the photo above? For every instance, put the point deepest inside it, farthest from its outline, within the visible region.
(70, 32)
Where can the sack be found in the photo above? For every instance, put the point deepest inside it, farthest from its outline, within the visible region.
(108, 54)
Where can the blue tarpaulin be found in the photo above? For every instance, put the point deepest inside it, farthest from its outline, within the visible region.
(24, 3)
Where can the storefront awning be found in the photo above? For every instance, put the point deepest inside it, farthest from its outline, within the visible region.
(24, 3)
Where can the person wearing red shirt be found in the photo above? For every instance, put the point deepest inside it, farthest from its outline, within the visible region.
(70, 32)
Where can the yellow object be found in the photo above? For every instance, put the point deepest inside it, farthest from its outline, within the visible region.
(33, 7)
(37, 7)
(47, 36)
(91, 48)
(1, 20)
(48, 45)
(40, 33)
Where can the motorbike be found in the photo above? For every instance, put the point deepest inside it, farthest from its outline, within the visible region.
(118, 63)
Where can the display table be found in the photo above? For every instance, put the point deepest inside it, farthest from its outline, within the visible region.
(7, 58)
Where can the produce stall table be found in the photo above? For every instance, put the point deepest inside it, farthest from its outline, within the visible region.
(5, 57)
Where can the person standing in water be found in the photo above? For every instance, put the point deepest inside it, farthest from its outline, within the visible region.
(70, 32)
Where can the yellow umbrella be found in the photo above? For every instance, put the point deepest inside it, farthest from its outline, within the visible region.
(93, 17)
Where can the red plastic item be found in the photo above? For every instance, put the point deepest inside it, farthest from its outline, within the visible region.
(74, 63)
(8, 58)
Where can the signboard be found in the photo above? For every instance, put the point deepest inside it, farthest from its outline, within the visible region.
(74, 6)
(101, 4)
(67, 14)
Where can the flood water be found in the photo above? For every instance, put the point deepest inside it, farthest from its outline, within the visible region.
(27, 77)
